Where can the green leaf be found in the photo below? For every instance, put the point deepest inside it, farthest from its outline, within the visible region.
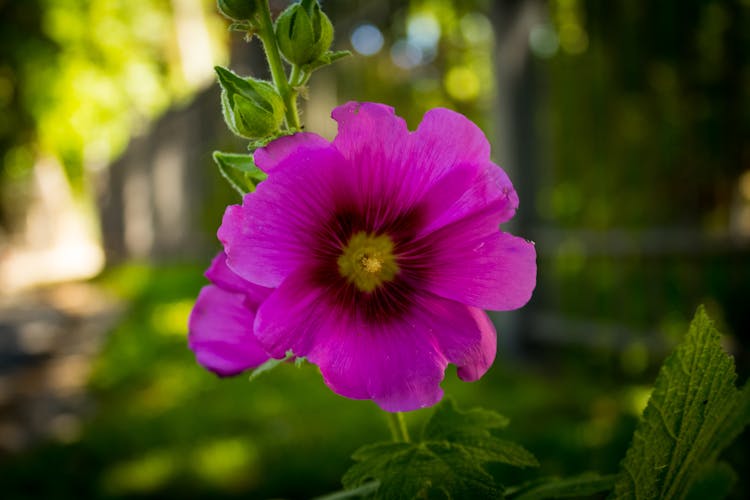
(694, 412)
(325, 59)
(335, 55)
(470, 429)
(239, 170)
(264, 141)
(446, 463)
(583, 485)
(269, 365)
(450, 424)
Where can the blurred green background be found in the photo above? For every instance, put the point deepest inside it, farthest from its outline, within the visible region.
(624, 126)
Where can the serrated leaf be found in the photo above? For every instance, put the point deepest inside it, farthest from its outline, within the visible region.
(583, 485)
(373, 460)
(239, 170)
(269, 365)
(407, 470)
(694, 412)
(446, 463)
(451, 424)
(471, 429)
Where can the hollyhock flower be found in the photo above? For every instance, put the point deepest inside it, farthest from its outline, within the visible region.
(221, 322)
(382, 248)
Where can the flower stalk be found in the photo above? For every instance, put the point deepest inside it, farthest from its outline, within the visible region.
(397, 425)
(270, 46)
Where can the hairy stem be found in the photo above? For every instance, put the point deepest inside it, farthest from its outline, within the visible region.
(288, 94)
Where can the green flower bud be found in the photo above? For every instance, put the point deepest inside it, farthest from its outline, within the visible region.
(239, 10)
(252, 108)
(304, 32)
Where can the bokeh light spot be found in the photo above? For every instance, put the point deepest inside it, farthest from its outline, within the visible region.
(476, 28)
(171, 318)
(423, 31)
(406, 55)
(367, 39)
(543, 41)
(225, 462)
(141, 475)
(462, 83)
(573, 39)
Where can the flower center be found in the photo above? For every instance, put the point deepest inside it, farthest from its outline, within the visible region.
(370, 264)
(367, 261)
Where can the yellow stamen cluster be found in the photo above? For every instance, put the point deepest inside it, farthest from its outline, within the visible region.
(367, 261)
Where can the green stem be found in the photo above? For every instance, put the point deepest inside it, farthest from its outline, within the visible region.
(294, 76)
(298, 76)
(397, 425)
(288, 94)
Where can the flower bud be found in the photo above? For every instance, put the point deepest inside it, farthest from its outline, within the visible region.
(239, 10)
(252, 108)
(304, 32)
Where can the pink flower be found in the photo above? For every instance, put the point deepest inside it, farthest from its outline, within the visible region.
(221, 323)
(382, 248)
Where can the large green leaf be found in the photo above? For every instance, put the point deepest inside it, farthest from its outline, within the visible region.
(446, 463)
(695, 411)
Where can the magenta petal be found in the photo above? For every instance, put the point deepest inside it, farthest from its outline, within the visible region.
(466, 336)
(397, 365)
(445, 138)
(389, 180)
(291, 316)
(495, 271)
(277, 151)
(463, 334)
(220, 274)
(221, 333)
(368, 128)
(468, 190)
(400, 365)
(276, 229)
